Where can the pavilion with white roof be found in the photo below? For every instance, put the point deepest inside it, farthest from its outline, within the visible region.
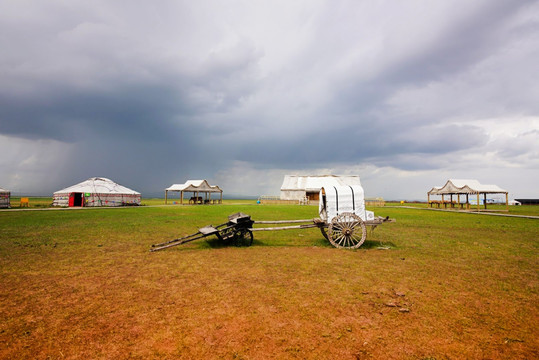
(464, 187)
(196, 187)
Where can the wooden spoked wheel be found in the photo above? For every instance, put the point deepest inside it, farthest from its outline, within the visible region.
(347, 231)
(243, 237)
(324, 232)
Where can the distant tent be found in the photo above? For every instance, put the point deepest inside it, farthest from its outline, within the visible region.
(464, 187)
(298, 187)
(5, 198)
(196, 187)
(96, 191)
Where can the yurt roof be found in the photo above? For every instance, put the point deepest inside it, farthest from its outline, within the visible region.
(98, 185)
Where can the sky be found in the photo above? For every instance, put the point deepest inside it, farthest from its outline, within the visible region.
(405, 94)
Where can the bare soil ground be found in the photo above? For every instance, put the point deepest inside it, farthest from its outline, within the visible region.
(82, 285)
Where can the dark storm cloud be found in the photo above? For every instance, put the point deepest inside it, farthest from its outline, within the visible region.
(356, 144)
(170, 102)
(369, 132)
(66, 115)
(471, 38)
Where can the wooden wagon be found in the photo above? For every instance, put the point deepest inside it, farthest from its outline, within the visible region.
(343, 221)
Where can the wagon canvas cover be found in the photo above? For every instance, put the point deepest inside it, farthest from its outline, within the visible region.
(335, 200)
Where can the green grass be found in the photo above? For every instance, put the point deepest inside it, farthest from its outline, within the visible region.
(46, 202)
(33, 202)
(82, 284)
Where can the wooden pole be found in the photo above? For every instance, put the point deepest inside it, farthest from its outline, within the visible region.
(166, 193)
(428, 199)
(306, 226)
(181, 197)
(285, 221)
(485, 200)
(478, 209)
(507, 201)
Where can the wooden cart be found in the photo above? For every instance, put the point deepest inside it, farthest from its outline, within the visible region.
(343, 221)
(236, 231)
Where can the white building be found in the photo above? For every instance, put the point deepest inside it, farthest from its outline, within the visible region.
(298, 187)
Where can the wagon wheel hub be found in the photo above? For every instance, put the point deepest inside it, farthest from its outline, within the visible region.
(347, 231)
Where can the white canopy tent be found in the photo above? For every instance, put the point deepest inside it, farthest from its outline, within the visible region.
(5, 198)
(464, 187)
(96, 191)
(196, 187)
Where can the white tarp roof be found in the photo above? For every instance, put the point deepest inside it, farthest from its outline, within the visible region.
(465, 186)
(98, 185)
(194, 186)
(4, 190)
(316, 182)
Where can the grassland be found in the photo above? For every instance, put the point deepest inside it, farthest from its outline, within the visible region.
(46, 202)
(434, 285)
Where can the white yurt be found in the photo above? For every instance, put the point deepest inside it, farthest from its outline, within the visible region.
(5, 198)
(96, 191)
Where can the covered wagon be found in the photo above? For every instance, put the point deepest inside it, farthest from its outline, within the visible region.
(342, 212)
(343, 221)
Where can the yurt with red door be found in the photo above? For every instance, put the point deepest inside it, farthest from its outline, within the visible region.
(96, 191)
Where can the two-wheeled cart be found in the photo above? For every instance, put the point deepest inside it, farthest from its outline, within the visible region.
(236, 231)
(343, 221)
